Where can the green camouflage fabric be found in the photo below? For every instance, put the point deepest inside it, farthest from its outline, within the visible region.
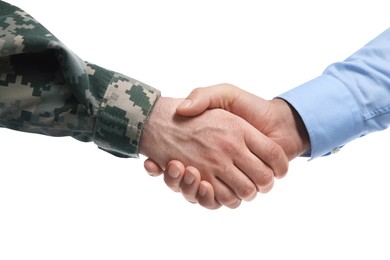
(47, 89)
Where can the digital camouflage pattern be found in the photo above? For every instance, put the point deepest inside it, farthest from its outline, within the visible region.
(45, 88)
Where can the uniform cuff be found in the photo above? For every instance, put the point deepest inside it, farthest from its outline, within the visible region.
(120, 120)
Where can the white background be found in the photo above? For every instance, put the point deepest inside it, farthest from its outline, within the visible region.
(63, 199)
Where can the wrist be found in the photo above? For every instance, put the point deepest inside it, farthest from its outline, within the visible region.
(159, 122)
(296, 139)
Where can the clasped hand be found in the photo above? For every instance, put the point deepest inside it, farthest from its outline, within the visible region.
(222, 145)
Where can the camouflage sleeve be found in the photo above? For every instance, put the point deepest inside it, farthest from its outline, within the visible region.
(45, 88)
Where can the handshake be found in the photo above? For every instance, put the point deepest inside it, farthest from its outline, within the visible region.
(221, 144)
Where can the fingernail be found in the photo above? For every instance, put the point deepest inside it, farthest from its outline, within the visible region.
(202, 190)
(189, 178)
(173, 172)
(185, 104)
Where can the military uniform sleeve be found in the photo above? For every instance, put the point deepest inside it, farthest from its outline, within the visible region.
(47, 89)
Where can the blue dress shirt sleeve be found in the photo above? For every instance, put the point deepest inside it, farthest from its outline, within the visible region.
(349, 100)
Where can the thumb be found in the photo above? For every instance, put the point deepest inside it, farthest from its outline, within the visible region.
(197, 102)
(200, 99)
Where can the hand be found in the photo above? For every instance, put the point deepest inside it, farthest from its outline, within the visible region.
(223, 147)
(274, 118)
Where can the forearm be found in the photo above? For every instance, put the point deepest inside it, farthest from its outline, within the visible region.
(47, 89)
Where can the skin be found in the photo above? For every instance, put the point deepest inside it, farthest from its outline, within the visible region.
(275, 118)
(223, 148)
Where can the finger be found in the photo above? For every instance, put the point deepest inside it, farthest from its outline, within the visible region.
(152, 168)
(189, 185)
(268, 151)
(224, 194)
(174, 174)
(206, 196)
(200, 99)
(239, 182)
(259, 174)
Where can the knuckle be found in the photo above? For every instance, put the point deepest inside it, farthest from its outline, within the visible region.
(248, 192)
(173, 185)
(275, 151)
(283, 171)
(214, 206)
(266, 180)
(229, 200)
(210, 205)
(228, 85)
(277, 154)
(196, 91)
(234, 204)
(228, 146)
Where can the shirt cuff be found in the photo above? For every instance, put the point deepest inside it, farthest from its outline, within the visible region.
(329, 111)
(120, 120)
